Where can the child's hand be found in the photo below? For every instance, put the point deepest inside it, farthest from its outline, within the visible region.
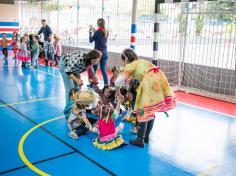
(90, 81)
(93, 111)
(129, 95)
(120, 98)
(90, 128)
(79, 82)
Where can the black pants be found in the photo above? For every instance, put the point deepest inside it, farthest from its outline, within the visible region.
(144, 130)
(4, 52)
(81, 130)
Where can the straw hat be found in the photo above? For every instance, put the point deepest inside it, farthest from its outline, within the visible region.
(84, 98)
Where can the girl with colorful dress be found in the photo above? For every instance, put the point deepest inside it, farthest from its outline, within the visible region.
(57, 48)
(15, 47)
(24, 54)
(154, 93)
(108, 138)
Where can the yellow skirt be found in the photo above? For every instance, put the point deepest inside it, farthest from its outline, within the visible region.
(109, 145)
(153, 95)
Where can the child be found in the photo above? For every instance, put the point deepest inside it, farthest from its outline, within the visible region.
(57, 48)
(131, 97)
(116, 70)
(75, 113)
(92, 78)
(29, 46)
(107, 97)
(35, 52)
(24, 54)
(49, 51)
(4, 42)
(15, 47)
(108, 138)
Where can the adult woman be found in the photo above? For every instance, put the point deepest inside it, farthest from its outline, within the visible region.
(71, 65)
(153, 94)
(100, 37)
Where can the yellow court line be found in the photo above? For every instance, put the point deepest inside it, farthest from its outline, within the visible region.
(29, 101)
(21, 149)
(207, 171)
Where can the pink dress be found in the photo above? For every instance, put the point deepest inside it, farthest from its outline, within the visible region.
(109, 138)
(24, 54)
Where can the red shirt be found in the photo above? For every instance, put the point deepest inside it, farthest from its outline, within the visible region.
(92, 76)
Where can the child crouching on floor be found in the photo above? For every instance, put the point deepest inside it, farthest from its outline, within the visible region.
(75, 112)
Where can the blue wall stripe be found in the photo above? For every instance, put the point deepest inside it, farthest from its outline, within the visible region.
(133, 28)
(132, 46)
(9, 23)
(8, 47)
(8, 35)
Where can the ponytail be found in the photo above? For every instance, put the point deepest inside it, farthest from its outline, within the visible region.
(101, 25)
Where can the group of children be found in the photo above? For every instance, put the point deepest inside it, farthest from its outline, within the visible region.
(28, 48)
(107, 110)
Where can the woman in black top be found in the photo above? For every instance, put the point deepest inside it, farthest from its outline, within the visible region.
(100, 37)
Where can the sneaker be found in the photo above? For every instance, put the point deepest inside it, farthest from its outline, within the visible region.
(120, 127)
(73, 135)
(146, 140)
(137, 143)
(134, 130)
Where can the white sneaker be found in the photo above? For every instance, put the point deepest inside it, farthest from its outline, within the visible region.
(121, 126)
(96, 130)
(73, 135)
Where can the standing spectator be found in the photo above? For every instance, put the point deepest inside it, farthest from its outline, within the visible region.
(100, 37)
(45, 29)
(44, 34)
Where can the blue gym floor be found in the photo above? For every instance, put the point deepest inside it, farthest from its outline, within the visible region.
(192, 141)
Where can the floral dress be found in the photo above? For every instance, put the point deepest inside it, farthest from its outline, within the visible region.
(154, 93)
(109, 137)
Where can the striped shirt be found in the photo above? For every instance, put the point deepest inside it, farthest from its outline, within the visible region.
(74, 62)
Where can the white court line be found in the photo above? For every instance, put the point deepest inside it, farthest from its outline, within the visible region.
(47, 73)
(205, 109)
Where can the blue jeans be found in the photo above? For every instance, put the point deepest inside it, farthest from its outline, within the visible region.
(35, 60)
(68, 83)
(103, 64)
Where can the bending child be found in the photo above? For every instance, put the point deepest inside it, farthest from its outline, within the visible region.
(75, 113)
